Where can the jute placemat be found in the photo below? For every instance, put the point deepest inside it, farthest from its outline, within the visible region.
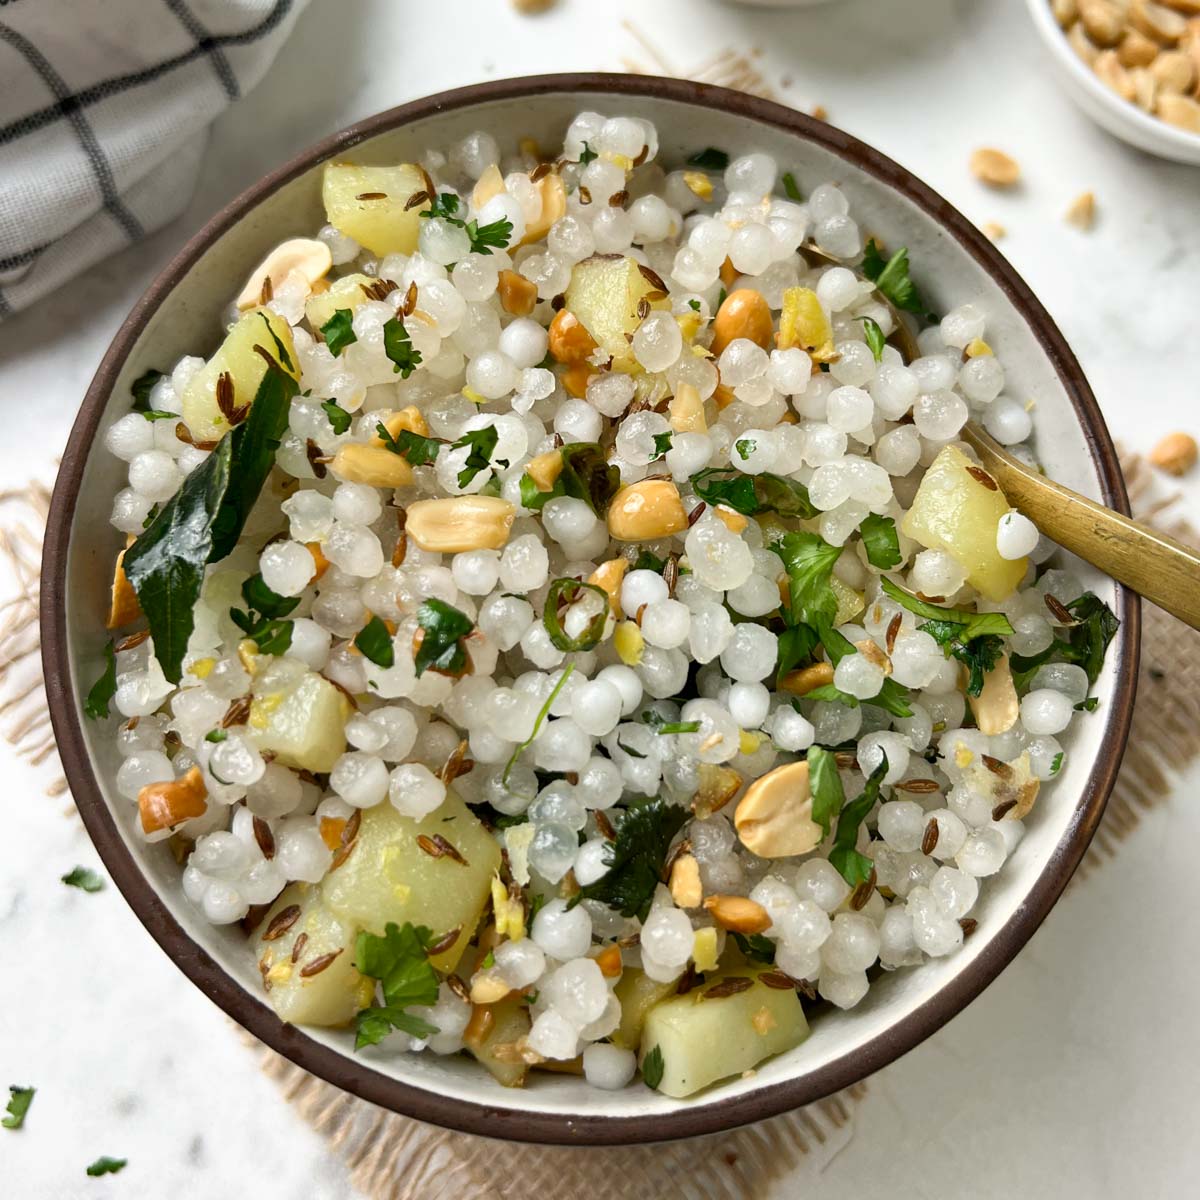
(393, 1158)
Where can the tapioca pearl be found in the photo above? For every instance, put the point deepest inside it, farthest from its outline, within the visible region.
(894, 390)
(852, 945)
(524, 564)
(286, 567)
(752, 173)
(952, 833)
(473, 154)
(657, 342)
(663, 672)
(757, 597)
(653, 219)
(520, 964)
(237, 761)
(751, 653)
(415, 791)
(938, 416)
(981, 379)
(562, 746)
(607, 1066)
(899, 450)
(356, 504)
(849, 408)
(962, 325)
(689, 453)
(1046, 757)
(667, 937)
(130, 509)
(1068, 678)
(476, 572)
(627, 682)
(591, 861)
(837, 289)
(642, 587)
(568, 521)
(858, 676)
(818, 880)
(933, 931)
(665, 623)
(791, 730)
(896, 945)
(843, 991)
(355, 549)
(360, 778)
(1016, 536)
(955, 891)
(983, 853)
(934, 372)
(902, 824)
(560, 932)
(741, 362)
(442, 242)
(142, 769)
(130, 436)
(1046, 711)
(553, 1036)
(855, 365)
(834, 723)
(789, 371)
(1007, 421)
(492, 374)
(475, 277)
(577, 990)
(935, 573)
(154, 474)
(916, 658)
(839, 236)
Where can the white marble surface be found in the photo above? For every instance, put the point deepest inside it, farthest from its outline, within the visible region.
(1075, 1072)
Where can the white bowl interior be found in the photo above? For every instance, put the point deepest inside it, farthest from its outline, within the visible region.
(1122, 119)
(188, 322)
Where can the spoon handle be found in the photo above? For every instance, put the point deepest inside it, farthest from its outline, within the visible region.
(1164, 571)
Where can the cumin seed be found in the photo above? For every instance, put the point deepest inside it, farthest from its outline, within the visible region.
(1060, 612)
(929, 839)
(604, 825)
(128, 643)
(585, 196)
(981, 476)
(893, 631)
(671, 572)
(264, 837)
(652, 277)
(559, 302)
(238, 713)
(281, 922)
(459, 988)
(727, 987)
(918, 787)
(298, 946)
(777, 980)
(997, 766)
(862, 893)
(416, 198)
(319, 964)
(410, 300)
(1002, 809)
(540, 172)
(371, 196)
(643, 308)
(267, 292)
(316, 458)
(696, 513)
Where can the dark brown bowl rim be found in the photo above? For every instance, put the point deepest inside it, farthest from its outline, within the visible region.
(582, 1128)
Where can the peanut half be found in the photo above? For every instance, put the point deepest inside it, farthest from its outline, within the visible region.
(645, 511)
(165, 805)
(1175, 454)
(744, 314)
(686, 889)
(996, 708)
(739, 914)
(774, 817)
(455, 524)
(994, 167)
(308, 257)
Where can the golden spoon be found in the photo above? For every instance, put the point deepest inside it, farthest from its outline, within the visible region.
(1164, 571)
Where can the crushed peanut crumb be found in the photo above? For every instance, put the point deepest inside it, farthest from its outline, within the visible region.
(995, 168)
(1082, 211)
(1175, 454)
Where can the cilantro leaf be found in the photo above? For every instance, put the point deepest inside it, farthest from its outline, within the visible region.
(874, 336)
(445, 205)
(85, 879)
(853, 867)
(104, 689)
(202, 522)
(648, 561)
(1056, 763)
(753, 494)
(587, 155)
(709, 159)
(159, 414)
(564, 592)
(652, 1067)
(880, 541)
(755, 947)
(694, 305)
(19, 1100)
(441, 647)
(745, 447)
(375, 642)
(216, 735)
(263, 623)
(892, 279)
(791, 188)
(260, 597)
(480, 444)
(484, 237)
(1089, 639)
(892, 697)
(796, 646)
(972, 624)
(339, 418)
(141, 388)
(106, 1166)
(400, 961)
(338, 331)
(662, 443)
(808, 560)
(635, 860)
(678, 727)
(399, 348)
(979, 655)
(829, 694)
(419, 451)
(825, 784)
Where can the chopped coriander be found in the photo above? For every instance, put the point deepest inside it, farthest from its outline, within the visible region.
(587, 155)
(856, 868)
(808, 560)
(721, 297)
(649, 561)
(484, 237)
(400, 961)
(830, 694)
(399, 348)
(85, 879)
(562, 593)
(375, 642)
(755, 947)
(652, 1067)
(662, 443)
(1086, 643)
(1088, 705)
(445, 205)
(107, 1166)
(19, 1100)
(791, 189)
(745, 447)
(141, 388)
(543, 712)
(635, 860)
(880, 541)
(216, 735)
(825, 784)
(1056, 763)
(891, 698)
(339, 418)
(892, 279)
(338, 331)
(489, 961)
(874, 335)
(480, 444)
(417, 450)
(159, 414)
(263, 622)
(796, 646)
(678, 727)
(441, 647)
(694, 305)
(104, 689)
(261, 598)
(709, 159)
(753, 494)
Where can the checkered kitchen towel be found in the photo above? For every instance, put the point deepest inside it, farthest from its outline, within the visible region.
(104, 114)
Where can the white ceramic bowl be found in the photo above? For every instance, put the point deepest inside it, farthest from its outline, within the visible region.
(1121, 118)
(180, 314)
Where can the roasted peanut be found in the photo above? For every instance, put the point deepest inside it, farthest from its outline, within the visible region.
(609, 575)
(358, 463)
(1180, 111)
(124, 606)
(544, 469)
(409, 418)
(454, 524)
(774, 817)
(994, 167)
(807, 679)
(307, 257)
(1175, 454)
(686, 410)
(570, 342)
(743, 314)
(646, 511)
(685, 886)
(996, 708)
(165, 805)
(737, 913)
(517, 294)
(554, 206)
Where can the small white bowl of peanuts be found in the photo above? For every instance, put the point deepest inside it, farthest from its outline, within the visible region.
(1132, 65)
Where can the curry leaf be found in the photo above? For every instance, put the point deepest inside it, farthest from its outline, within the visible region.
(855, 868)
(338, 331)
(104, 689)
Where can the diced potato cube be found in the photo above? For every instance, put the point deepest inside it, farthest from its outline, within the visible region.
(638, 994)
(346, 292)
(332, 994)
(246, 368)
(704, 1038)
(389, 877)
(498, 1051)
(955, 510)
(804, 323)
(303, 724)
(368, 204)
(604, 293)
(850, 603)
